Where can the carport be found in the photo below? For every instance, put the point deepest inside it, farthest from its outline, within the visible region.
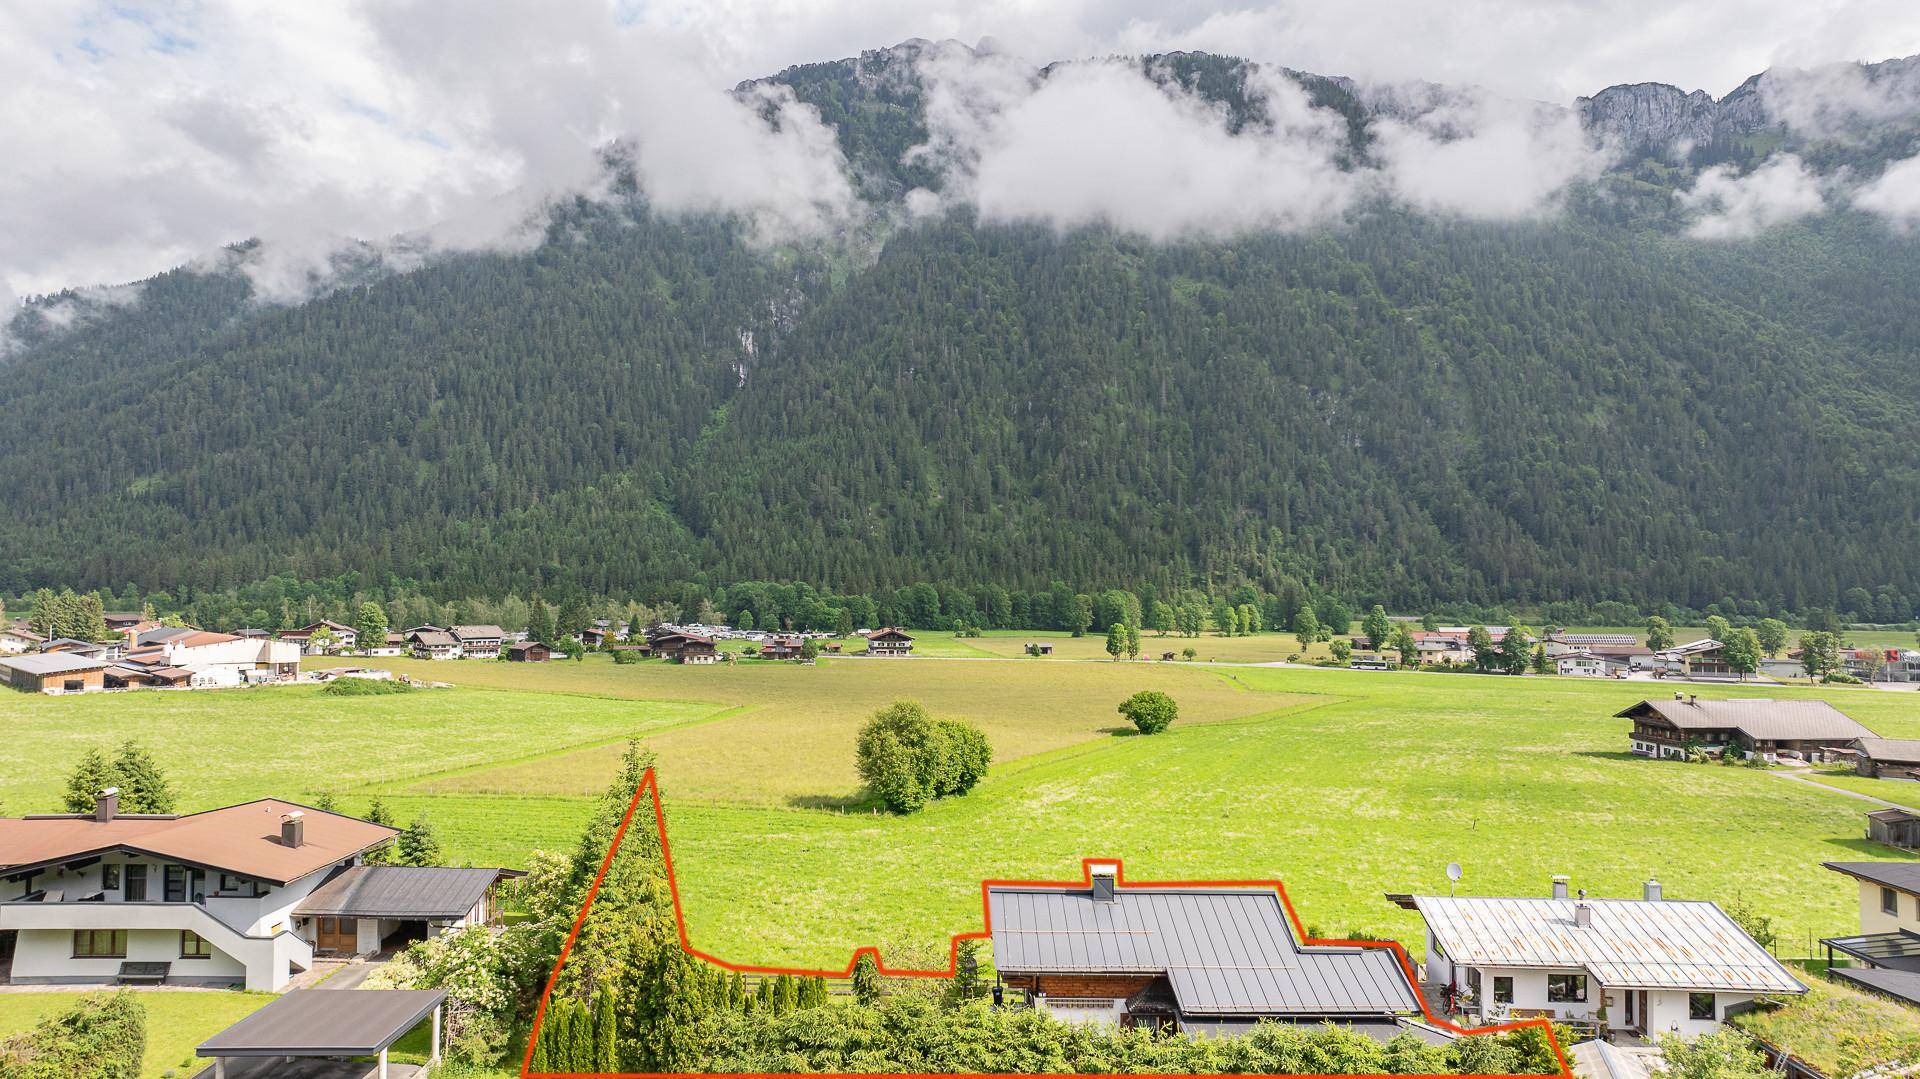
(317, 1034)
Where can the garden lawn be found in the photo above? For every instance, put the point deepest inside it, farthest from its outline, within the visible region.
(177, 1021)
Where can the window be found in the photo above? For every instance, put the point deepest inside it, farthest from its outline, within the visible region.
(1889, 901)
(231, 883)
(1700, 1006)
(109, 876)
(99, 944)
(194, 946)
(1503, 990)
(136, 882)
(1567, 988)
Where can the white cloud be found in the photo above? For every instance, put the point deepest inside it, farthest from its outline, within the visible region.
(1732, 206)
(1486, 158)
(1894, 194)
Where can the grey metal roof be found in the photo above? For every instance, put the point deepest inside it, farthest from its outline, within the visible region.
(1226, 951)
(1630, 943)
(1891, 749)
(1902, 985)
(163, 634)
(1902, 875)
(326, 1022)
(53, 663)
(397, 891)
(1760, 719)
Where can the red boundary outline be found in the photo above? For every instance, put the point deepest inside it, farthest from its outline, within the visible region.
(650, 786)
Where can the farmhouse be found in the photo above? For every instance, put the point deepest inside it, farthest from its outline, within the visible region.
(479, 642)
(684, 647)
(782, 646)
(14, 641)
(889, 642)
(54, 672)
(1201, 958)
(432, 642)
(1887, 948)
(1609, 962)
(528, 652)
(1887, 758)
(337, 638)
(73, 646)
(1802, 729)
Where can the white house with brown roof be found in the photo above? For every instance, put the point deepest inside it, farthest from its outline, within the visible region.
(432, 642)
(1647, 966)
(889, 641)
(339, 637)
(478, 642)
(201, 899)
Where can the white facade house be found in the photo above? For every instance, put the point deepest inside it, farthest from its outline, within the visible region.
(202, 899)
(1645, 966)
(478, 642)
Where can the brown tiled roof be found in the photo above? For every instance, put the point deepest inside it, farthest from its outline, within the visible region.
(1760, 719)
(889, 631)
(194, 640)
(243, 839)
(433, 638)
(470, 632)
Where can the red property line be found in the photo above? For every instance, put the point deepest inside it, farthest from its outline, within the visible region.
(650, 786)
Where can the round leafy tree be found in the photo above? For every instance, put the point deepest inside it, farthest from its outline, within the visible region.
(1150, 710)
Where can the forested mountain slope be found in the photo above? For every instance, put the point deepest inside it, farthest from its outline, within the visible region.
(1407, 407)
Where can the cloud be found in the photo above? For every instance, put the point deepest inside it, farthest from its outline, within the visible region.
(1100, 143)
(1478, 156)
(1894, 195)
(1732, 206)
(1842, 100)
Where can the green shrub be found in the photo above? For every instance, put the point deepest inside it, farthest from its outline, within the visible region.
(1150, 711)
(365, 687)
(101, 1037)
(907, 758)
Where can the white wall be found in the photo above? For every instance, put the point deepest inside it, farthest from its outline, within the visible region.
(1530, 992)
(48, 954)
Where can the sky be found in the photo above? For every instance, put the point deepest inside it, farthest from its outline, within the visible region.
(142, 136)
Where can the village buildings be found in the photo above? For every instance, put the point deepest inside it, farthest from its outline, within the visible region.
(1804, 730)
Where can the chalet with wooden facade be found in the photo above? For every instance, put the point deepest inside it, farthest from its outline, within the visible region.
(782, 646)
(432, 642)
(1809, 730)
(478, 642)
(1887, 758)
(1201, 958)
(528, 652)
(889, 642)
(682, 647)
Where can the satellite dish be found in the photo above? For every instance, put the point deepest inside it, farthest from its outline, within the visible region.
(1454, 871)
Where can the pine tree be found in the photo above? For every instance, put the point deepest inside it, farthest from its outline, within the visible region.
(143, 787)
(326, 803)
(605, 1033)
(540, 623)
(377, 813)
(417, 844)
(541, 1060)
(866, 980)
(91, 776)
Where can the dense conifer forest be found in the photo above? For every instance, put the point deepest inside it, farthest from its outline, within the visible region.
(1405, 409)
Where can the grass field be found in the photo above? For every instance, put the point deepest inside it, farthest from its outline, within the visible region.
(176, 1021)
(1344, 784)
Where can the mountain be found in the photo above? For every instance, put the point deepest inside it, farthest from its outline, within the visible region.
(1407, 407)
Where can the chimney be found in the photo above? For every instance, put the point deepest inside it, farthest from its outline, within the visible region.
(1582, 913)
(1693, 699)
(106, 804)
(1104, 876)
(293, 829)
(1560, 886)
(1650, 891)
(1679, 696)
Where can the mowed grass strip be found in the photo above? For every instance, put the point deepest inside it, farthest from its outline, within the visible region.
(226, 746)
(1373, 792)
(794, 743)
(177, 1021)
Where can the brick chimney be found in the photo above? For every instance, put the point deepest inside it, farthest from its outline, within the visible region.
(106, 804)
(293, 829)
(1104, 875)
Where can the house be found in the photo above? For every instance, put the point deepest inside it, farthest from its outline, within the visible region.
(1560, 643)
(74, 646)
(1199, 957)
(16, 641)
(1585, 664)
(889, 642)
(252, 634)
(682, 647)
(338, 638)
(1887, 758)
(782, 646)
(1704, 657)
(54, 672)
(1894, 827)
(528, 652)
(595, 636)
(244, 895)
(213, 660)
(123, 622)
(432, 642)
(1802, 729)
(1886, 951)
(1611, 962)
(392, 644)
(201, 899)
(479, 642)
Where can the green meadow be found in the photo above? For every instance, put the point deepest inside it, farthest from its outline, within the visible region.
(1345, 785)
